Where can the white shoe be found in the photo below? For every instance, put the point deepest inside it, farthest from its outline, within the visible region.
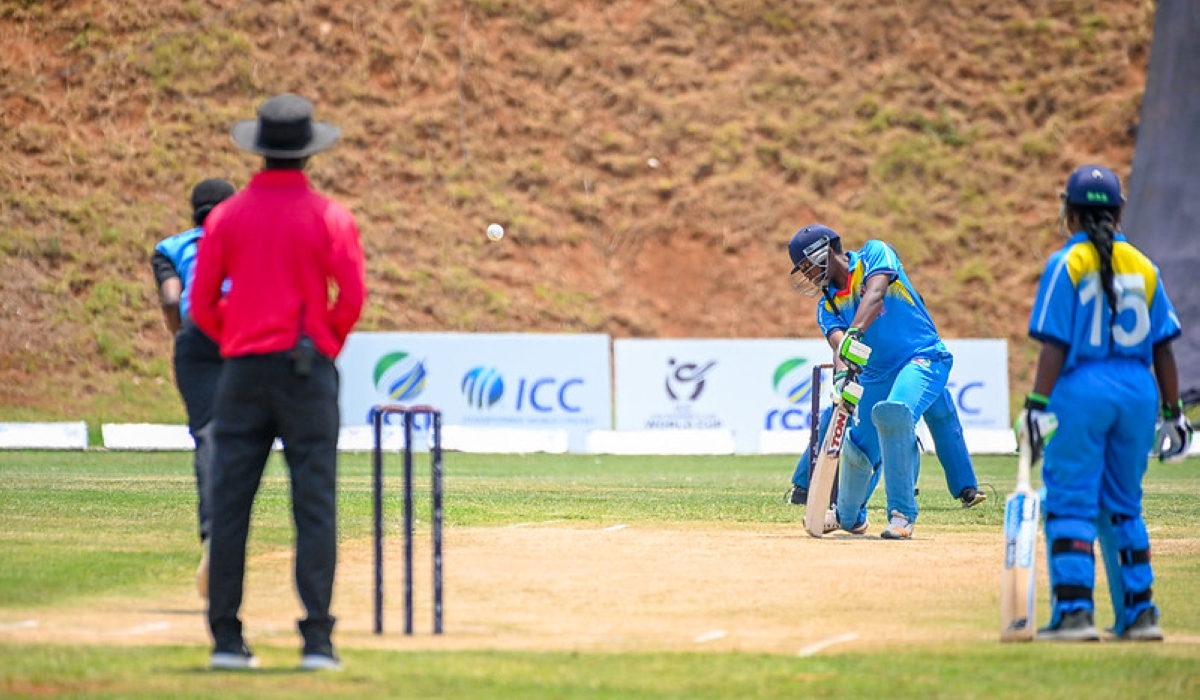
(202, 573)
(832, 524)
(320, 662)
(861, 527)
(831, 521)
(233, 660)
(899, 528)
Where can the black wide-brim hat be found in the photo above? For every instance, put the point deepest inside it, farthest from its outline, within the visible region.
(284, 129)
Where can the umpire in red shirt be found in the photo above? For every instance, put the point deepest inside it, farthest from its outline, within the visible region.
(294, 266)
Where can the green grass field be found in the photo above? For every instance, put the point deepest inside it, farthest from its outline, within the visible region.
(77, 527)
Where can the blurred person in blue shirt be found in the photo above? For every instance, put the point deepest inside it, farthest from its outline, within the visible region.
(197, 359)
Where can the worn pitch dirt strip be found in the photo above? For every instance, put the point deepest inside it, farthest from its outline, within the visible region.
(549, 586)
(604, 588)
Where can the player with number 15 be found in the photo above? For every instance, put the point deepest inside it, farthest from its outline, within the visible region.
(1105, 371)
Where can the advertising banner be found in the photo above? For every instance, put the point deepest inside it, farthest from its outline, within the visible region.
(499, 380)
(752, 386)
(979, 383)
(745, 386)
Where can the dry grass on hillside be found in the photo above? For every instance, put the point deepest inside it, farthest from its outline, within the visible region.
(945, 128)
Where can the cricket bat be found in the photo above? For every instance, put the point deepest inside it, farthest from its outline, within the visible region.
(1020, 554)
(825, 469)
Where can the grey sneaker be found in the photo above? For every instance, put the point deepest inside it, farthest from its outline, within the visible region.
(320, 662)
(1144, 628)
(233, 659)
(899, 528)
(971, 497)
(798, 496)
(1075, 626)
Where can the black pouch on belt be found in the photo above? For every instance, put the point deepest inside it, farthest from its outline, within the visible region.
(303, 355)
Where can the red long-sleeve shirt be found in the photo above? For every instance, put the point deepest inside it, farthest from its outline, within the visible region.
(282, 246)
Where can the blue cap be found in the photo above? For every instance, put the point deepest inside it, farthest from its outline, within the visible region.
(805, 238)
(1093, 186)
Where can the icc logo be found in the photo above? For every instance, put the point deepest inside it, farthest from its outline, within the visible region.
(484, 387)
(686, 380)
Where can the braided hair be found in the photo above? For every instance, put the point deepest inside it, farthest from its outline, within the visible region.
(1093, 199)
(1100, 224)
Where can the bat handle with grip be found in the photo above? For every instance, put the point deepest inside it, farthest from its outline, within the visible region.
(1024, 462)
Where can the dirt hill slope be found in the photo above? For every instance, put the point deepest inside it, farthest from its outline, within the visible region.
(649, 160)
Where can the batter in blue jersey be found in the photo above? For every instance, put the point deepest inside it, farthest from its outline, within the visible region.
(1105, 370)
(867, 299)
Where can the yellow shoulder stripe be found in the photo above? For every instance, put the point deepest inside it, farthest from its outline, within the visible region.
(1083, 260)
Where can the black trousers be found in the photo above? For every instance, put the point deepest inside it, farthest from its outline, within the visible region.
(197, 368)
(259, 398)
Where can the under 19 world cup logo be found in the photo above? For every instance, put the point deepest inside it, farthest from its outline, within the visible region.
(685, 380)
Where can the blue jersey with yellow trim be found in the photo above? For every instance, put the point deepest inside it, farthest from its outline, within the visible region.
(1072, 311)
(902, 331)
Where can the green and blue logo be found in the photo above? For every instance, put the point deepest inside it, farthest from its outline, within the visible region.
(400, 376)
(793, 380)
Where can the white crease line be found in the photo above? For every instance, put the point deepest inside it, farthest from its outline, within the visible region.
(531, 524)
(710, 636)
(614, 528)
(147, 628)
(826, 643)
(22, 625)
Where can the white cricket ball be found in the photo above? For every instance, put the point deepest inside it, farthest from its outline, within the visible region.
(495, 232)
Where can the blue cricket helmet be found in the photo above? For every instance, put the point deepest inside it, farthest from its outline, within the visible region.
(1093, 186)
(803, 244)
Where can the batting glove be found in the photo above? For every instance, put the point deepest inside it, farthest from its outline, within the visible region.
(839, 382)
(852, 351)
(851, 393)
(1035, 425)
(1174, 437)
